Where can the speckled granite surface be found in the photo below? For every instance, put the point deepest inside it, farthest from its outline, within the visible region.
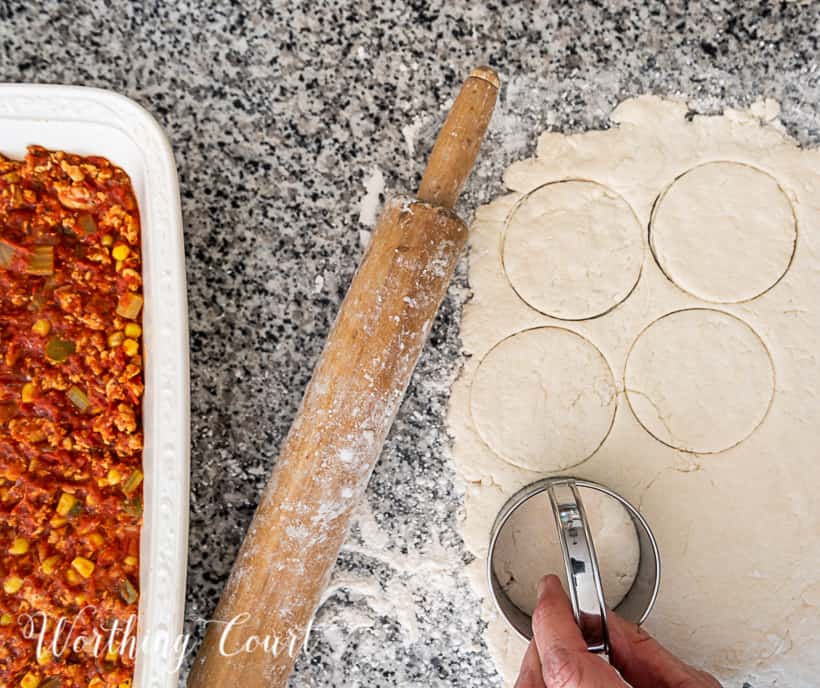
(279, 113)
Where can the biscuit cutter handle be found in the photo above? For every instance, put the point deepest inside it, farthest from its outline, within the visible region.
(583, 575)
(264, 616)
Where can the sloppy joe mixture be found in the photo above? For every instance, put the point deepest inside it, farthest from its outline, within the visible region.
(71, 385)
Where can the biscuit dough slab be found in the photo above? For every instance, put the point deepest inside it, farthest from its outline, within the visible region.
(739, 529)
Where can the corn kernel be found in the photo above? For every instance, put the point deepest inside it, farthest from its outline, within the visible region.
(91, 500)
(114, 340)
(130, 560)
(66, 504)
(58, 522)
(83, 566)
(119, 265)
(73, 577)
(27, 393)
(30, 681)
(133, 330)
(96, 683)
(12, 584)
(80, 599)
(112, 654)
(44, 657)
(125, 684)
(6, 620)
(131, 347)
(107, 240)
(19, 546)
(41, 327)
(50, 564)
(120, 252)
(114, 476)
(96, 540)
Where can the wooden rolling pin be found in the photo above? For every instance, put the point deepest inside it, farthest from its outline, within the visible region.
(303, 517)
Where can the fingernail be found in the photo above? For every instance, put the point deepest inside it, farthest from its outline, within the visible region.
(543, 584)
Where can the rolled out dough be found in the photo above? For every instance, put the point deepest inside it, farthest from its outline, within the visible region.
(718, 443)
(559, 399)
(573, 249)
(724, 231)
(528, 548)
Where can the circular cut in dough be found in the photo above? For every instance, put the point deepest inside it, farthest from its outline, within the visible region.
(699, 380)
(573, 250)
(724, 232)
(528, 548)
(543, 399)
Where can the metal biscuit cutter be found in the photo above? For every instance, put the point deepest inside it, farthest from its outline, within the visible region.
(583, 574)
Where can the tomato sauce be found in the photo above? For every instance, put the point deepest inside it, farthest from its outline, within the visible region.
(71, 387)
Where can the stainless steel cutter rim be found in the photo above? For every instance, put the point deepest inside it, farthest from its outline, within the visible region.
(581, 563)
(639, 600)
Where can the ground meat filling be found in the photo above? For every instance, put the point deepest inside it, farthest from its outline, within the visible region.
(71, 385)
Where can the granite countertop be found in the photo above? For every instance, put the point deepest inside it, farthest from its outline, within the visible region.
(289, 121)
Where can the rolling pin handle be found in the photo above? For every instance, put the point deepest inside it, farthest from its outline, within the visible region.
(456, 148)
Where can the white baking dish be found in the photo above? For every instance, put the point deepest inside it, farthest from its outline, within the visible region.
(91, 121)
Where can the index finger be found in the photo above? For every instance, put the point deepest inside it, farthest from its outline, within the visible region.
(553, 624)
(565, 660)
(645, 663)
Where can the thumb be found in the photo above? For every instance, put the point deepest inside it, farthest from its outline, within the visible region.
(562, 650)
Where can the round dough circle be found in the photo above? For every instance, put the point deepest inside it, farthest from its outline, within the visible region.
(699, 380)
(528, 548)
(573, 249)
(724, 232)
(544, 399)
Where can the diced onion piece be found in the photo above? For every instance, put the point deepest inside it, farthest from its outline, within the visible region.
(132, 482)
(8, 409)
(58, 350)
(79, 398)
(129, 306)
(127, 592)
(6, 254)
(133, 507)
(41, 261)
(86, 223)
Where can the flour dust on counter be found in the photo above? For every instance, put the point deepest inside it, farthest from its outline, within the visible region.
(688, 262)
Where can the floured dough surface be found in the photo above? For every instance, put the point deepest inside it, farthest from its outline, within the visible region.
(543, 399)
(687, 396)
(713, 357)
(724, 231)
(528, 548)
(573, 249)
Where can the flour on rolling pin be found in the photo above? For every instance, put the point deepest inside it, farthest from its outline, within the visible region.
(348, 407)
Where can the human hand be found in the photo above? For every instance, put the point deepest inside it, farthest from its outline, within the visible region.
(558, 657)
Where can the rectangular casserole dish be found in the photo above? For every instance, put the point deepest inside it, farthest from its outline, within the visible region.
(96, 122)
